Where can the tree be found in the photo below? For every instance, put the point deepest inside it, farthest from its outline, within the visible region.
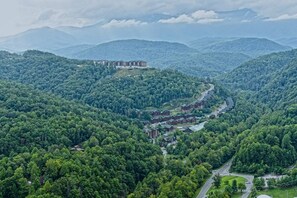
(93, 141)
(259, 183)
(234, 186)
(271, 183)
(254, 193)
(228, 191)
(215, 194)
(241, 187)
(286, 142)
(226, 183)
(217, 179)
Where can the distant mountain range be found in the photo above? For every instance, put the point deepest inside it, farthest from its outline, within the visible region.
(242, 23)
(45, 39)
(207, 56)
(134, 49)
(288, 41)
(250, 46)
(159, 54)
(204, 57)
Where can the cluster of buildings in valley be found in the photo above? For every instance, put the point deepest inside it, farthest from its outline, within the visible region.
(185, 120)
(175, 120)
(164, 121)
(124, 64)
(199, 103)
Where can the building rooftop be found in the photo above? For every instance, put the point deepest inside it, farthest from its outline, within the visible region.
(264, 196)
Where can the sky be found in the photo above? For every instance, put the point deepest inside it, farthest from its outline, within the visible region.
(20, 15)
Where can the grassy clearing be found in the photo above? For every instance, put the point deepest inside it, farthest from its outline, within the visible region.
(280, 193)
(229, 179)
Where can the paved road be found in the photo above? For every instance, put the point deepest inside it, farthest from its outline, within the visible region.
(223, 171)
(205, 93)
(219, 109)
(200, 126)
(249, 183)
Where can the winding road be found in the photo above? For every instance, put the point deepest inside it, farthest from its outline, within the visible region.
(199, 126)
(224, 171)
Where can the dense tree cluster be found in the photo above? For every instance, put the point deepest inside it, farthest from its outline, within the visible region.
(100, 86)
(285, 182)
(270, 146)
(177, 179)
(271, 78)
(270, 82)
(38, 134)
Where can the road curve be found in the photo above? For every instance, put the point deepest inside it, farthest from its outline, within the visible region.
(249, 183)
(224, 171)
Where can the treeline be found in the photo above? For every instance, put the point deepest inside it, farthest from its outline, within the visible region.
(38, 135)
(285, 181)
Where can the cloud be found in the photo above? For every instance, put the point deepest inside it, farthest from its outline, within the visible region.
(180, 19)
(25, 14)
(245, 21)
(204, 14)
(123, 23)
(200, 16)
(283, 17)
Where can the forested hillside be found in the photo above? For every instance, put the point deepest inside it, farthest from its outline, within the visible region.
(214, 145)
(273, 77)
(38, 133)
(55, 148)
(120, 91)
(269, 146)
(52, 147)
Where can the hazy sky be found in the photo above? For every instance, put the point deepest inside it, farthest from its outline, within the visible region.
(20, 15)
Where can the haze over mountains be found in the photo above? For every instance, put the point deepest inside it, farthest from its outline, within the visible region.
(206, 43)
(250, 46)
(182, 28)
(200, 57)
(160, 55)
(45, 39)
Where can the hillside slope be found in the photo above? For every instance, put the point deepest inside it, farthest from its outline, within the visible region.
(48, 143)
(271, 77)
(269, 81)
(120, 91)
(133, 49)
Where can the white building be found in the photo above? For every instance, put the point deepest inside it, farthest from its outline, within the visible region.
(264, 196)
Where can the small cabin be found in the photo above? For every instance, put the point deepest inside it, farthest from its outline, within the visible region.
(77, 148)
